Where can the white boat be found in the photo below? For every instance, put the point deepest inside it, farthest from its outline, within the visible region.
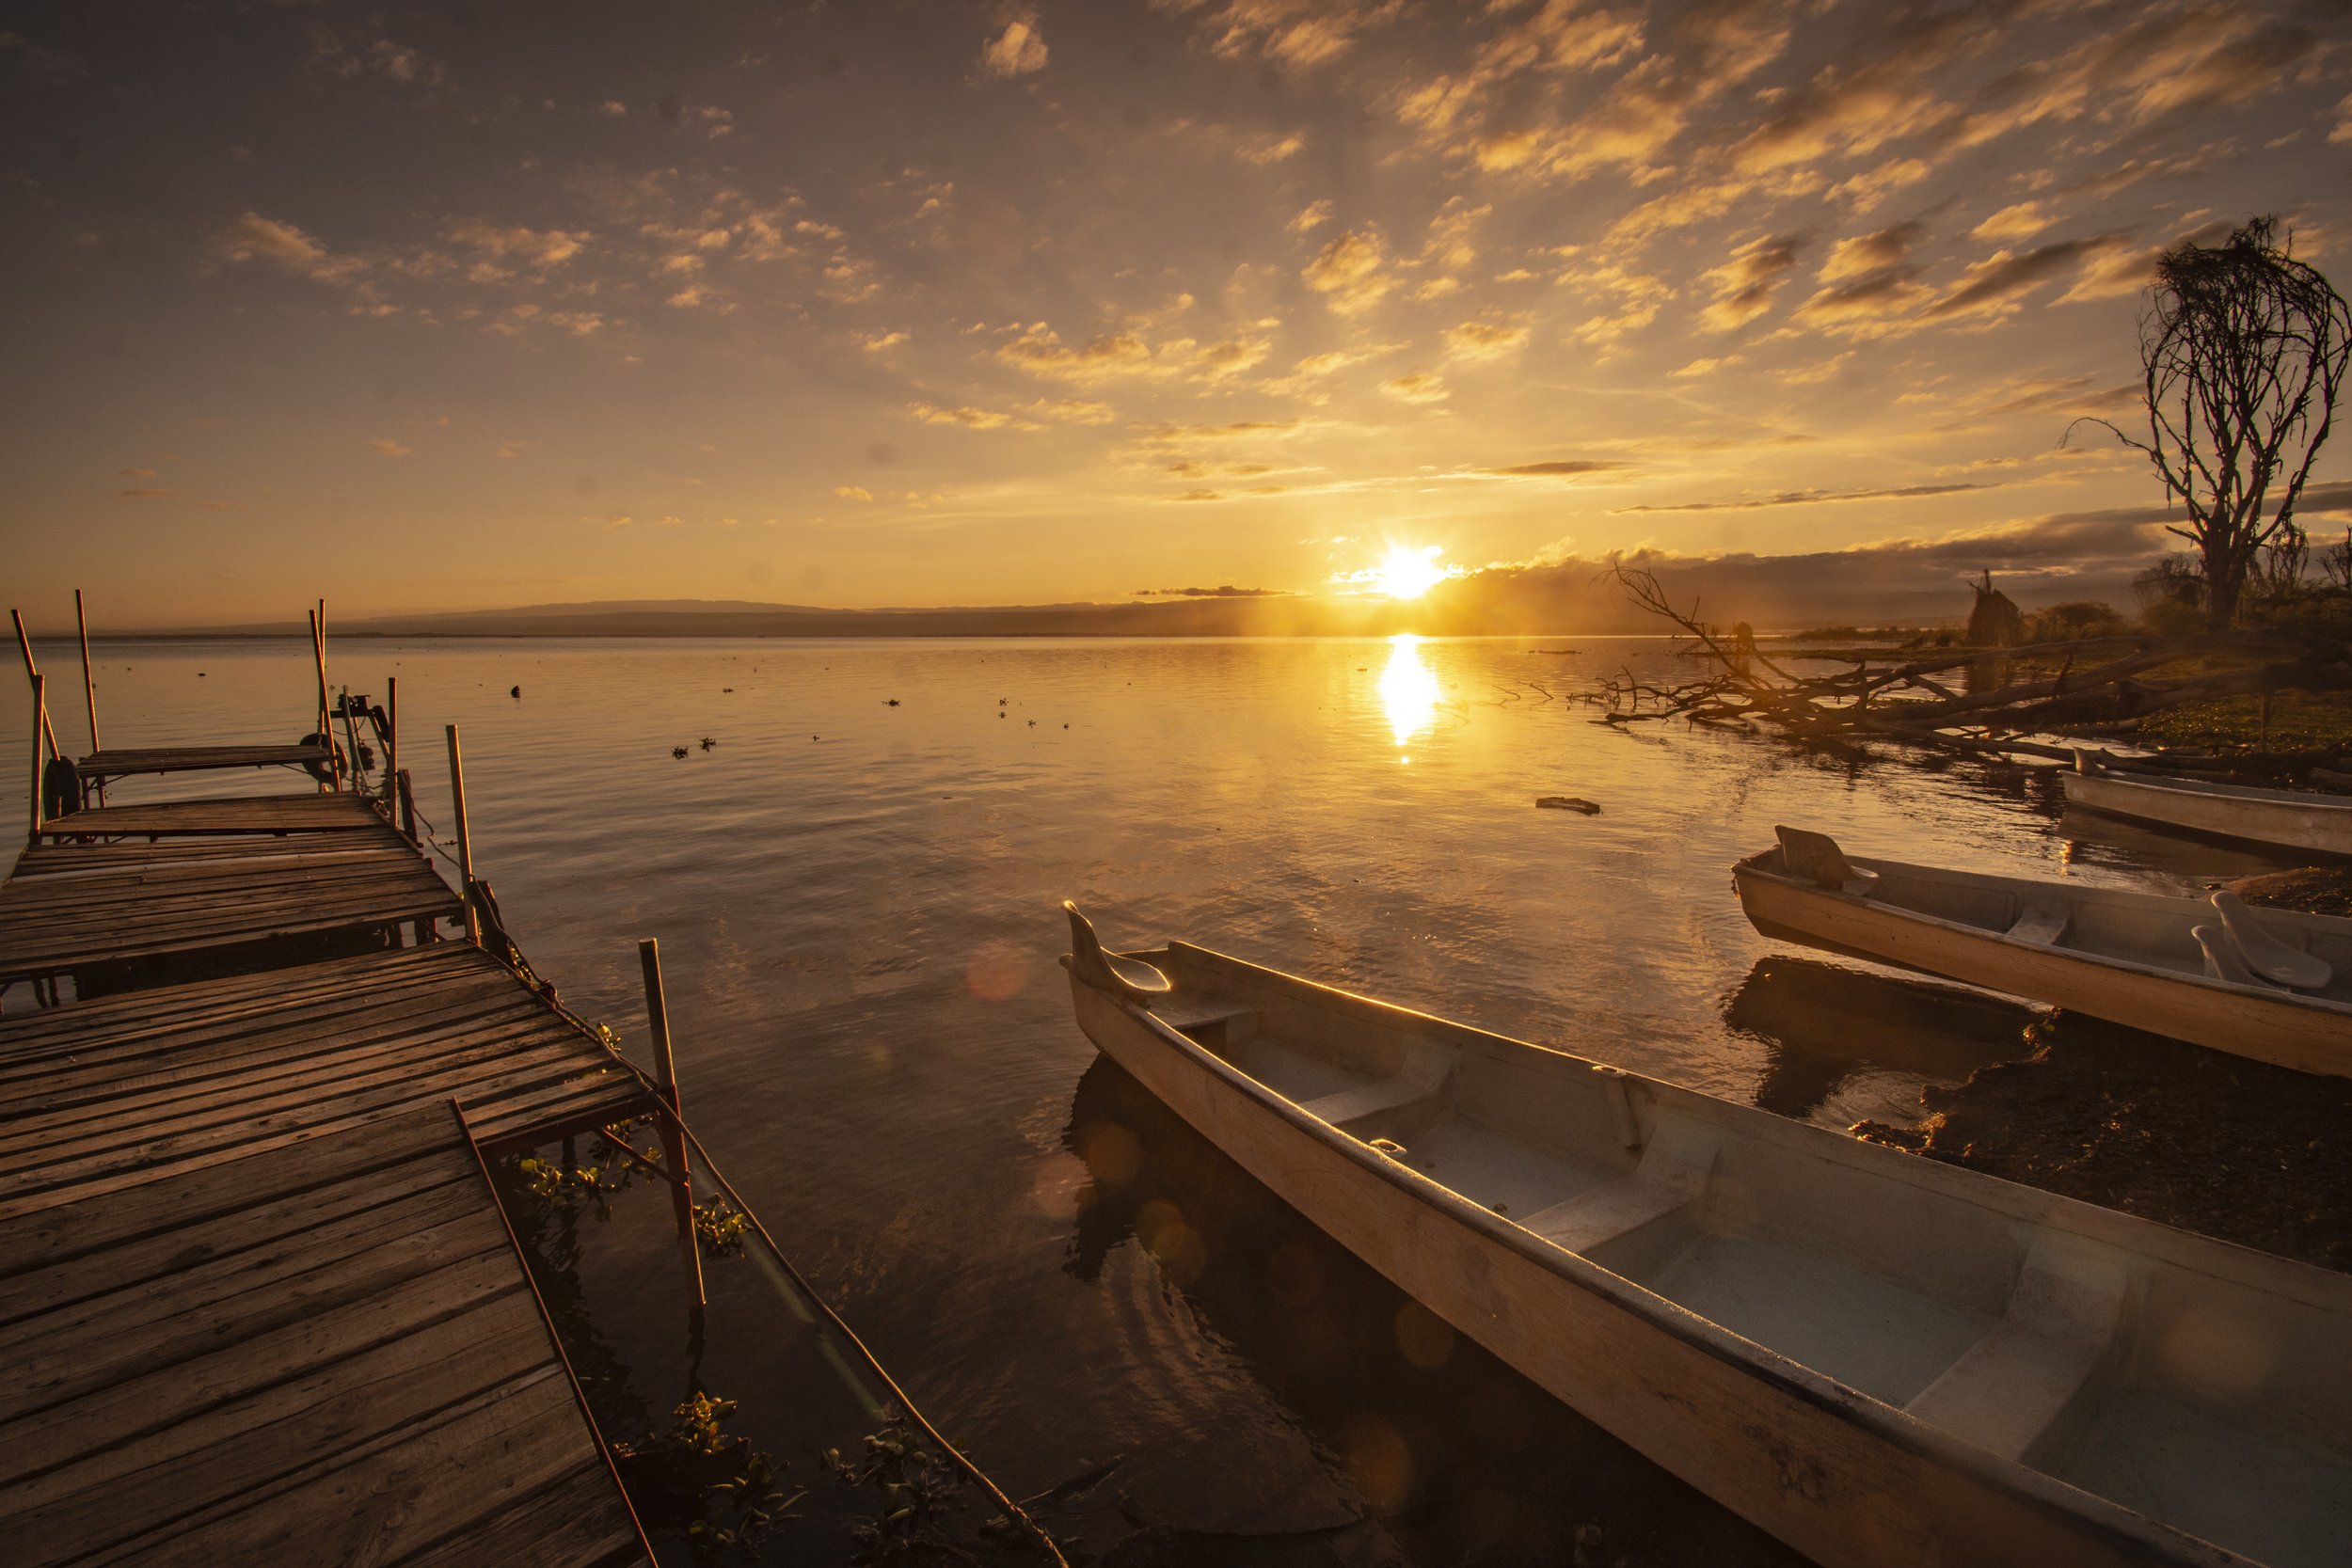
(2286, 818)
(1878, 1358)
(2275, 984)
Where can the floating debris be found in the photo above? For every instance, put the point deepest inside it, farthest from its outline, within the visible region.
(678, 752)
(516, 692)
(1033, 723)
(1567, 802)
(709, 743)
(893, 703)
(725, 689)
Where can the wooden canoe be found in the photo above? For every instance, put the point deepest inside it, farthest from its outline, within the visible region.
(1878, 1358)
(2284, 818)
(2135, 958)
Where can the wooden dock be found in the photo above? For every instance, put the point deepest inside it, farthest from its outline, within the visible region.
(257, 1296)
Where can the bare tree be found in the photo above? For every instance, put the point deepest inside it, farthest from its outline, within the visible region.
(2244, 349)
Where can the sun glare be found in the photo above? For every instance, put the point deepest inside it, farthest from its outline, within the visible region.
(1407, 573)
(1409, 689)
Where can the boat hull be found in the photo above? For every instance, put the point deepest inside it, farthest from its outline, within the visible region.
(1848, 1482)
(2278, 1030)
(2318, 825)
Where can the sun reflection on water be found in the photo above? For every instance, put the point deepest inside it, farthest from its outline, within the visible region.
(1409, 689)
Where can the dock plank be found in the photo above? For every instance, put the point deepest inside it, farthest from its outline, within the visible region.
(126, 760)
(235, 815)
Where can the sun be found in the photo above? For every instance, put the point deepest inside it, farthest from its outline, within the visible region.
(1407, 573)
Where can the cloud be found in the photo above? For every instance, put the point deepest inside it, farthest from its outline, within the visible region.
(1875, 252)
(1347, 274)
(1484, 340)
(1313, 216)
(145, 493)
(1265, 150)
(539, 247)
(1071, 410)
(613, 108)
(387, 447)
(1744, 285)
(1995, 284)
(1042, 350)
(853, 492)
(1225, 592)
(2025, 219)
(1300, 34)
(968, 418)
(1561, 467)
(255, 238)
(1018, 51)
(1809, 497)
(138, 473)
(875, 343)
(1416, 387)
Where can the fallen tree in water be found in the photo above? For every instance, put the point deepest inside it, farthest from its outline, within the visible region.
(1982, 699)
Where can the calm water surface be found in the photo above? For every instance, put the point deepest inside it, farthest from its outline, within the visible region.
(857, 905)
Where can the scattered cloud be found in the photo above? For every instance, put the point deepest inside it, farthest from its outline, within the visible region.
(1484, 340)
(1225, 592)
(1018, 51)
(1809, 497)
(1561, 467)
(853, 492)
(138, 473)
(385, 446)
(1416, 387)
(1347, 273)
(145, 493)
(2018, 222)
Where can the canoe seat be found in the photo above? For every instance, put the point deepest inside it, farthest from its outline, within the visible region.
(1191, 1014)
(2040, 925)
(2223, 962)
(1672, 1176)
(1422, 1077)
(1816, 857)
(2264, 954)
(2064, 1315)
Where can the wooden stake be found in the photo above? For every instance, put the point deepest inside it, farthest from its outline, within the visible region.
(89, 687)
(40, 712)
(392, 733)
(32, 673)
(407, 801)
(673, 1143)
(465, 839)
(326, 722)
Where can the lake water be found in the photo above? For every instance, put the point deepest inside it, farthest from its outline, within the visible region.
(858, 910)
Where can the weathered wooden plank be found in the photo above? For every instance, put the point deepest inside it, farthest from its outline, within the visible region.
(95, 1347)
(125, 1411)
(579, 1522)
(244, 1449)
(193, 759)
(406, 1492)
(36, 1234)
(171, 1140)
(219, 815)
(578, 1104)
(126, 1085)
(69, 857)
(198, 1008)
(244, 1230)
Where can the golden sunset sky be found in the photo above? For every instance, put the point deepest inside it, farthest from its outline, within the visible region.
(439, 307)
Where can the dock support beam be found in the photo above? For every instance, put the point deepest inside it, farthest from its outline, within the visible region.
(32, 673)
(465, 838)
(672, 1139)
(41, 713)
(391, 737)
(90, 686)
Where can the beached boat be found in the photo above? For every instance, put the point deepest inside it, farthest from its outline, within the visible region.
(2275, 984)
(2287, 819)
(1878, 1358)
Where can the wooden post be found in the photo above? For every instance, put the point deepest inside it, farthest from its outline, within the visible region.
(39, 712)
(406, 821)
(89, 687)
(326, 722)
(673, 1140)
(465, 839)
(392, 733)
(32, 673)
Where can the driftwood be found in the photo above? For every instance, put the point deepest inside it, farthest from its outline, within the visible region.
(2102, 683)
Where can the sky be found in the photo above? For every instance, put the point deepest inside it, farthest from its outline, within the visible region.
(890, 304)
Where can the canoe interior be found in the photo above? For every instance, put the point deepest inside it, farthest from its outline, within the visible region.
(2200, 1385)
(2102, 922)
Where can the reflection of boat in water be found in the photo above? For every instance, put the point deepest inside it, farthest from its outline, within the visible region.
(1878, 1358)
(2275, 984)
(2286, 818)
(1823, 1024)
(2096, 838)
